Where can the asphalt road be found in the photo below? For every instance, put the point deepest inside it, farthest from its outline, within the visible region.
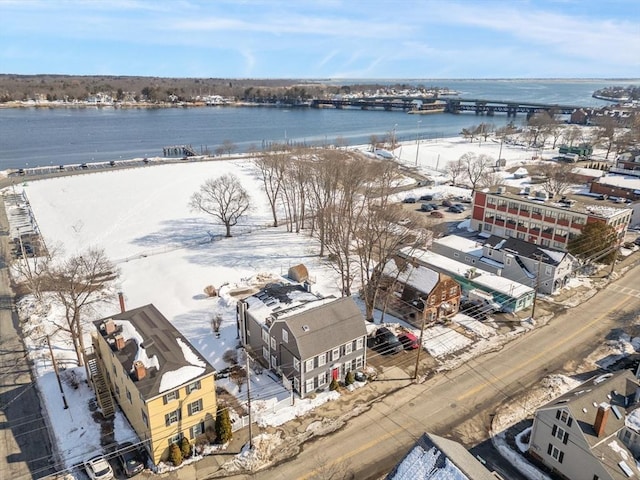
(25, 451)
(459, 404)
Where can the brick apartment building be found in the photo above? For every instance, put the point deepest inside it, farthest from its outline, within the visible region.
(548, 223)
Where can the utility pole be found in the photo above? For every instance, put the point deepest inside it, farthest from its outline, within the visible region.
(55, 369)
(246, 359)
(424, 317)
(613, 261)
(535, 291)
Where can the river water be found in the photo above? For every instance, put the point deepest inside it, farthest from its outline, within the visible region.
(31, 137)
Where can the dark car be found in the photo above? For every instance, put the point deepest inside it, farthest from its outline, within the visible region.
(83, 165)
(386, 342)
(131, 459)
(426, 197)
(447, 203)
(460, 206)
(455, 209)
(112, 163)
(408, 340)
(426, 207)
(409, 200)
(637, 241)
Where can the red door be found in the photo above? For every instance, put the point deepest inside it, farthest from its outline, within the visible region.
(335, 373)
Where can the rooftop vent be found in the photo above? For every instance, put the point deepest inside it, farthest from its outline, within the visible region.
(501, 190)
(305, 328)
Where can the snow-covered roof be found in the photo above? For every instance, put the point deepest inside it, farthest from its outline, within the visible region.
(489, 281)
(169, 359)
(419, 277)
(280, 299)
(462, 244)
(632, 183)
(437, 458)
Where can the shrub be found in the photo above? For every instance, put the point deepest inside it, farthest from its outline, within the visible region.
(185, 447)
(231, 357)
(210, 291)
(349, 379)
(175, 454)
(223, 426)
(334, 385)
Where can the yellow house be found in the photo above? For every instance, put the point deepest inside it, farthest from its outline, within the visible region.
(164, 387)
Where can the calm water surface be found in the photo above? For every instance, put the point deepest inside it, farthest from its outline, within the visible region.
(32, 137)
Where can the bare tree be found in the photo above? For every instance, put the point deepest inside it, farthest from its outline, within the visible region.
(490, 179)
(455, 170)
(228, 146)
(78, 282)
(476, 167)
(271, 166)
(238, 375)
(223, 198)
(559, 177)
(606, 133)
(571, 135)
(31, 271)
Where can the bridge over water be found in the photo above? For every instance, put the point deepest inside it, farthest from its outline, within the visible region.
(450, 105)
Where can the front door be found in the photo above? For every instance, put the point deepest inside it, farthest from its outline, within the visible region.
(335, 373)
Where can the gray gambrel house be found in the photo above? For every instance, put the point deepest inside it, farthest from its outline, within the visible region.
(307, 339)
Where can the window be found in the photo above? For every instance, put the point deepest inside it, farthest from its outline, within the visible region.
(169, 397)
(555, 453)
(578, 220)
(265, 336)
(348, 348)
(487, 227)
(536, 211)
(545, 242)
(273, 343)
(322, 379)
(360, 343)
(265, 353)
(117, 390)
(508, 260)
(274, 361)
(128, 395)
(309, 365)
(195, 407)
(296, 384)
(196, 430)
(560, 434)
(322, 359)
(453, 291)
(456, 255)
(564, 417)
(520, 235)
(335, 354)
(296, 364)
(308, 386)
(172, 417)
(193, 386)
(175, 439)
(548, 270)
(359, 362)
(145, 419)
(285, 336)
(513, 206)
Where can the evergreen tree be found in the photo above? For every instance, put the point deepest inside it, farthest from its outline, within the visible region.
(185, 447)
(334, 385)
(349, 379)
(175, 454)
(597, 242)
(223, 426)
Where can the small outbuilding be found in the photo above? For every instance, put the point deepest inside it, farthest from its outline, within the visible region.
(298, 273)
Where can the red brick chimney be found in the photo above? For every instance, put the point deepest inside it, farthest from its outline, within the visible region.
(119, 342)
(121, 299)
(601, 418)
(139, 370)
(109, 327)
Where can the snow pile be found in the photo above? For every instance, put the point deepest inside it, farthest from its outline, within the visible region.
(273, 413)
(473, 325)
(427, 465)
(440, 341)
(262, 453)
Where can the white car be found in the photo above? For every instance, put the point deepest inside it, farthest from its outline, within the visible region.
(98, 468)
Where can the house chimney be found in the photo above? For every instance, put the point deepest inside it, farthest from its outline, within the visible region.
(121, 299)
(601, 418)
(119, 342)
(109, 327)
(139, 370)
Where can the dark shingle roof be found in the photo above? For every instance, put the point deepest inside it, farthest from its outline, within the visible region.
(522, 248)
(321, 328)
(159, 339)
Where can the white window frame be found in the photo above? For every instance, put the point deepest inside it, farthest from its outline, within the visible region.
(296, 364)
(322, 359)
(172, 417)
(360, 343)
(195, 407)
(359, 362)
(273, 343)
(309, 365)
(196, 430)
(265, 336)
(285, 336)
(322, 379)
(265, 353)
(348, 348)
(171, 396)
(309, 385)
(274, 361)
(335, 354)
(193, 386)
(296, 384)
(177, 438)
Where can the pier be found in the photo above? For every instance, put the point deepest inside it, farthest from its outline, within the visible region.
(511, 108)
(179, 150)
(382, 103)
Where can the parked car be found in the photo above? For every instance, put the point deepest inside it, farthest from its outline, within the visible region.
(409, 200)
(408, 340)
(435, 206)
(386, 342)
(426, 197)
(83, 165)
(460, 206)
(98, 468)
(131, 459)
(447, 203)
(21, 171)
(426, 207)
(455, 209)
(637, 241)
(437, 214)
(112, 163)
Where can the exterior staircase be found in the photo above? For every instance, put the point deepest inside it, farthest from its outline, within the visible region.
(103, 394)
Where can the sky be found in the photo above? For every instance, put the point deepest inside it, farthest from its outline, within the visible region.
(319, 39)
